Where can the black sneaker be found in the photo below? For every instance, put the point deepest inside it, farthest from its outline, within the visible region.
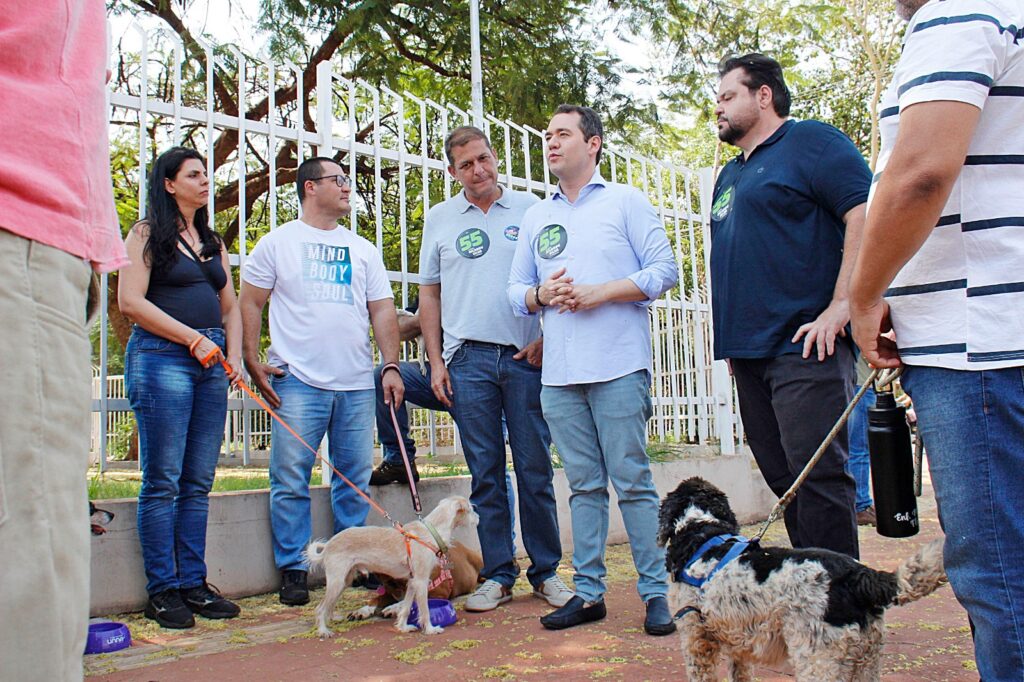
(167, 609)
(206, 600)
(294, 591)
(392, 473)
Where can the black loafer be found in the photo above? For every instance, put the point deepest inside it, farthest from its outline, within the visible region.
(575, 612)
(294, 591)
(658, 621)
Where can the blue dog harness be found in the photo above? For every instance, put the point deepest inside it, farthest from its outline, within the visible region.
(683, 575)
(740, 544)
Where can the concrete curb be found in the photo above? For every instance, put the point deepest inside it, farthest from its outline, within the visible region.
(238, 551)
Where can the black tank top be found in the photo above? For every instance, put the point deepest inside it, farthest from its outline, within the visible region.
(184, 292)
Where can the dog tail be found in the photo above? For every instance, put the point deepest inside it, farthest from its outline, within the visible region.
(314, 554)
(921, 574)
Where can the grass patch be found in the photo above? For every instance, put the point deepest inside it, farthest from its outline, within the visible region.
(118, 484)
(414, 655)
(114, 485)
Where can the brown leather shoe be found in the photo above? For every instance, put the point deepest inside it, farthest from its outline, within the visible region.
(867, 517)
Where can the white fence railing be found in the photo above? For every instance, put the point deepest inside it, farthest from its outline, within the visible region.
(392, 144)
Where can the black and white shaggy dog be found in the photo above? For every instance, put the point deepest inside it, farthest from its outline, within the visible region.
(821, 609)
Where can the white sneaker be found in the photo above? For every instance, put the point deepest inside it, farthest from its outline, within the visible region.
(488, 596)
(554, 592)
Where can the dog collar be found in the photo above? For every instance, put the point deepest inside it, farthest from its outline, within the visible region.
(442, 548)
(740, 544)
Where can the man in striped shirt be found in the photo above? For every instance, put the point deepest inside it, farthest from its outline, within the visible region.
(941, 264)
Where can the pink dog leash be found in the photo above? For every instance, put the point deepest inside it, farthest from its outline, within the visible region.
(408, 467)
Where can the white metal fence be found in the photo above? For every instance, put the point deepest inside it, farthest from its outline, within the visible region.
(392, 145)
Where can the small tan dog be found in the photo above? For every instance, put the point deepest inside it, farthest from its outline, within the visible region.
(383, 550)
(466, 564)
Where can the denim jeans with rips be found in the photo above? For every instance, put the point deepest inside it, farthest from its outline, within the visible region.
(180, 409)
(972, 424)
(346, 417)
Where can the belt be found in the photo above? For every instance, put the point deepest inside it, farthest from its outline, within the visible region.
(488, 344)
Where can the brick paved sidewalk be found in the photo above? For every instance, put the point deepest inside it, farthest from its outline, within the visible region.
(927, 640)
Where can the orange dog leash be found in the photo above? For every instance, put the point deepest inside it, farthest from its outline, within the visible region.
(209, 356)
(384, 512)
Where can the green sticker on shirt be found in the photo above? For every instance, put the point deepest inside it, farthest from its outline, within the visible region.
(722, 204)
(551, 241)
(472, 243)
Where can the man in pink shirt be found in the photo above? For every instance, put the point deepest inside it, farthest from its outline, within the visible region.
(57, 223)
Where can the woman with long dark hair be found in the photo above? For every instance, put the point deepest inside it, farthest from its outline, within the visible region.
(179, 293)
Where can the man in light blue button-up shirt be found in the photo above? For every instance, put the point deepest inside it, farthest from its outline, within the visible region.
(590, 259)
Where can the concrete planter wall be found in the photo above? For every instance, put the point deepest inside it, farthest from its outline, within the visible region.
(239, 556)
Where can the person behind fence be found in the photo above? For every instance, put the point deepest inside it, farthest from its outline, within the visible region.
(416, 379)
(179, 294)
(590, 259)
(785, 224)
(57, 223)
(480, 367)
(859, 463)
(329, 286)
(418, 392)
(942, 265)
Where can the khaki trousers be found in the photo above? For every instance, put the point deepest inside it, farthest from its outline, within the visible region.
(44, 445)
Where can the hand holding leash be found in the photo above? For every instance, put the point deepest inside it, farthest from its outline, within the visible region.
(392, 385)
(205, 351)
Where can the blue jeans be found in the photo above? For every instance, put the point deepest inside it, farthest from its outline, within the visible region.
(972, 425)
(180, 409)
(600, 431)
(486, 382)
(347, 418)
(418, 392)
(859, 463)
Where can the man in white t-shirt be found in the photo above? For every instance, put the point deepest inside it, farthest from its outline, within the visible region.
(942, 264)
(328, 285)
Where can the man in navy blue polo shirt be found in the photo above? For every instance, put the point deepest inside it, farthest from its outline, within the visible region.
(785, 225)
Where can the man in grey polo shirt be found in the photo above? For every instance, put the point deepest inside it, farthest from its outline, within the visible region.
(489, 364)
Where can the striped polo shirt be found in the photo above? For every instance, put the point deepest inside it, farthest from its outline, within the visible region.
(959, 302)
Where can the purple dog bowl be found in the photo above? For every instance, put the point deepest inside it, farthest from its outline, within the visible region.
(442, 614)
(106, 637)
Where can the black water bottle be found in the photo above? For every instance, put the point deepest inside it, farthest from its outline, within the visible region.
(892, 468)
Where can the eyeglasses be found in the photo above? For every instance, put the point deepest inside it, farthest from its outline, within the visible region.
(342, 179)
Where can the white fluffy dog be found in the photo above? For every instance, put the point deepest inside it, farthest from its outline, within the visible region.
(383, 550)
(822, 610)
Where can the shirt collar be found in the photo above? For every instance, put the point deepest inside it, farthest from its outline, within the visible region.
(771, 139)
(463, 205)
(595, 181)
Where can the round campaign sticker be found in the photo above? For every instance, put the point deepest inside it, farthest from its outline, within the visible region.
(472, 243)
(512, 233)
(720, 209)
(551, 241)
